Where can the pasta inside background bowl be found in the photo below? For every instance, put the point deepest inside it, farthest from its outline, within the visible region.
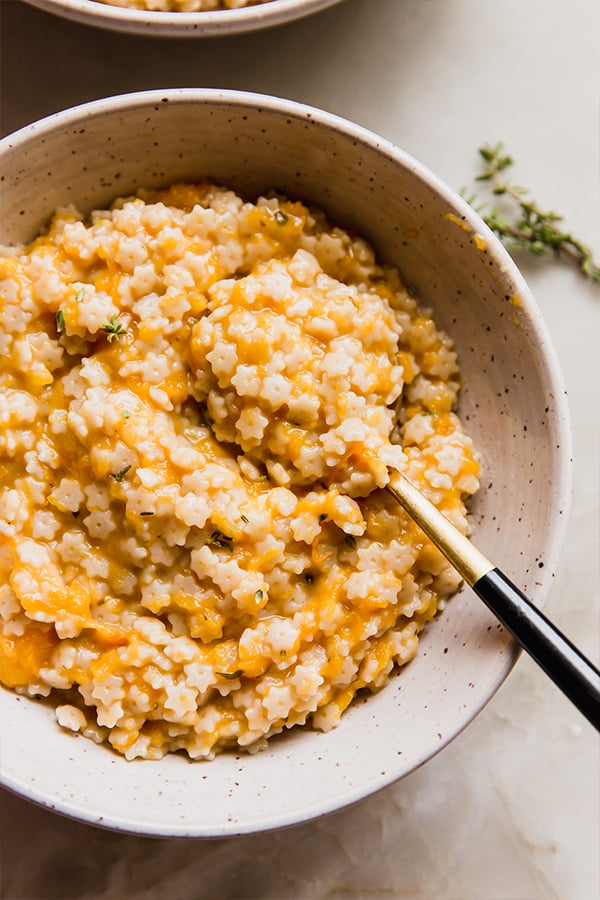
(157, 22)
(512, 400)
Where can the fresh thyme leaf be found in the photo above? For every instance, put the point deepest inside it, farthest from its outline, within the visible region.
(231, 676)
(118, 476)
(281, 218)
(218, 539)
(80, 295)
(113, 329)
(351, 541)
(244, 519)
(147, 513)
(323, 516)
(258, 596)
(411, 290)
(61, 320)
(530, 228)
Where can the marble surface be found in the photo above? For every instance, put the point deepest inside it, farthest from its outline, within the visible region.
(510, 811)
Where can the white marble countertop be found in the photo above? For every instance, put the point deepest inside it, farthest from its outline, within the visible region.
(510, 811)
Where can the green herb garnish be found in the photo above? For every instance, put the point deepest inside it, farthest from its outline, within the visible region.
(118, 476)
(218, 539)
(113, 329)
(231, 676)
(350, 541)
(281, 218)
(323, 516)
(530, 227)
(147, 513)
(80, 295)
(61, 320)
(258, 596)
(244, 519)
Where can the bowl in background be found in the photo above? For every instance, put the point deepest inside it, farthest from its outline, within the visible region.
(513, 401)
(183, 24)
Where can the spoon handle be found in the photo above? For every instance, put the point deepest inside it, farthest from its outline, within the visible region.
(575, 675)
(568, 668)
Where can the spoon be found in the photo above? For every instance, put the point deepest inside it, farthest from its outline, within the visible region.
(575, 675)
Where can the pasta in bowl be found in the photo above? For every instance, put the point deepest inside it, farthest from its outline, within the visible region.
(213, 377)
(180, 587)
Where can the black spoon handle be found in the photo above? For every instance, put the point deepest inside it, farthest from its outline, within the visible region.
(559, 658)
(565, 664)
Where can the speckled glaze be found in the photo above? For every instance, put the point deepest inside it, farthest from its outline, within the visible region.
(182, 24)
(513, 401)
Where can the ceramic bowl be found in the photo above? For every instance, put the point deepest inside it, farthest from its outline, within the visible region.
(513, 401)
(182, 24)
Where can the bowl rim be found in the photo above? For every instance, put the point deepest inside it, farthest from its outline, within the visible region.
(562, 487)
(201, 23)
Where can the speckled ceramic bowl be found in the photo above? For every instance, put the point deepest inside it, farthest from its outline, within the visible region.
(513, 400)
(182, 24)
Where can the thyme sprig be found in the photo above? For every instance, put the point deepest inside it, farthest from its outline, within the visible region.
(531, 228)
(113, 329)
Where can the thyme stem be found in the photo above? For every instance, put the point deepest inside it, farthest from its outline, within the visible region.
(532, 228)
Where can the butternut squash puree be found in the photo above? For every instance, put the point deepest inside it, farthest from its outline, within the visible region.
(22, 656)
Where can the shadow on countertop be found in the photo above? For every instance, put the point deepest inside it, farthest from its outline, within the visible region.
(48, 63)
